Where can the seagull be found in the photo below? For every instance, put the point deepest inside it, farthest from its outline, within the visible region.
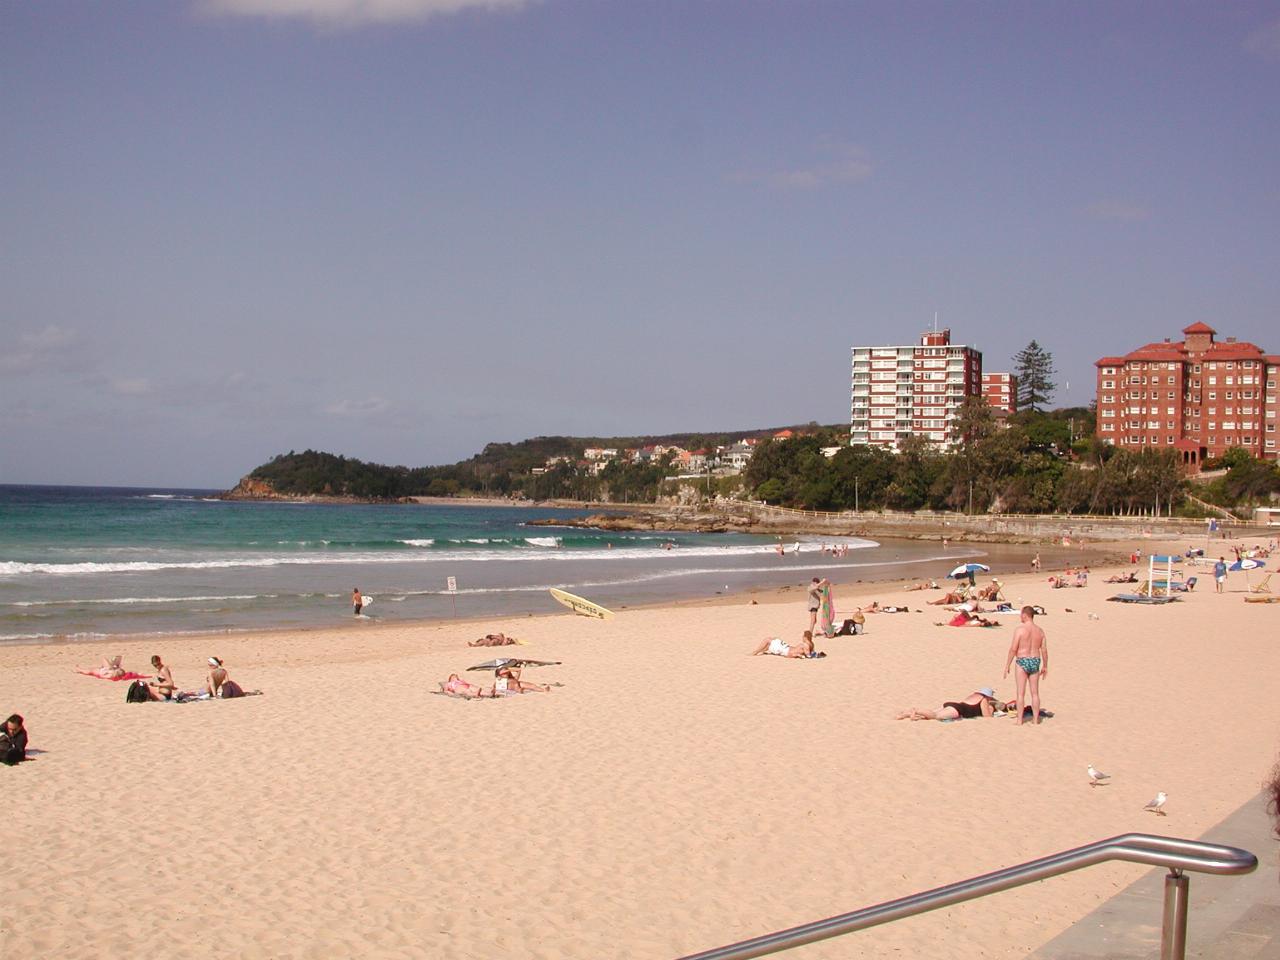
(1157, 805)
(1097, 776)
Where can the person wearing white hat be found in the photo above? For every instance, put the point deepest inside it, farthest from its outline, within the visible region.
(218, 684)
(980, 703)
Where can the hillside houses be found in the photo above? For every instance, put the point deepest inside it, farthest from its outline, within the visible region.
(725, 460)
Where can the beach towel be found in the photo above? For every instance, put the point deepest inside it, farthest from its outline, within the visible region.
(827, 613)
(124, 676)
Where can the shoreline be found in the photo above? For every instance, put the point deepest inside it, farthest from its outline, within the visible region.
(762, 593)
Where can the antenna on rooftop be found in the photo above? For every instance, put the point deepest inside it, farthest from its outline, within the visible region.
(935, 321)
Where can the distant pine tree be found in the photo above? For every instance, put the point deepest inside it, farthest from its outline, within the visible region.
(1034, 365)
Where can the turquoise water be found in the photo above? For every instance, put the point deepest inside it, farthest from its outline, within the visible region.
(79, 562)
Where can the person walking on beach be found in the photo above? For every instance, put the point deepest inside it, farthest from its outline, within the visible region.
(357, 601)
(1220, 574)
(1035, 563)
(1030, 650)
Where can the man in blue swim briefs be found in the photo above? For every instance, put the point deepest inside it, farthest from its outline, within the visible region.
(1030, 650)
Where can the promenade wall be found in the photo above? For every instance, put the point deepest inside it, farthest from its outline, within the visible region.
(1013, 527)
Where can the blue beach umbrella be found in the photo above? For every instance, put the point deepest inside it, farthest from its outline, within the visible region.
(968, 570)
(1246, 564)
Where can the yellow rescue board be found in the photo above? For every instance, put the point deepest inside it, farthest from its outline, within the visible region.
(579, 605)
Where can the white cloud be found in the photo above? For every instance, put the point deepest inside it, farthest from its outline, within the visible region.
(352, 13)
(52, 347)
(368, 407)
(837, 163)
(1117, 210)
(1265, 41)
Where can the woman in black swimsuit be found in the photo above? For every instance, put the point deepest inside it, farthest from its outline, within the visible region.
(980, 703)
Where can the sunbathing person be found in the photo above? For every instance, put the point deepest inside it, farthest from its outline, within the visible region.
(161, 687)
(949, 598)
(493, 640)
(980, 703)
(1058, 582)
(507, 680)
(110, 669)
(1123, 578)
(924, 585)
(455, 686)
(964, 618)
(990, 593)
(776, 646)
(218, 684)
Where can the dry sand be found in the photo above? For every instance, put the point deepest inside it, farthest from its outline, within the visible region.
(673, 795)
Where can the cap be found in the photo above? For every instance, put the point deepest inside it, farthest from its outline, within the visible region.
(986, 691)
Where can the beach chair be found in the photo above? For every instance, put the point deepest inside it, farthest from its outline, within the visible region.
(1263, 585)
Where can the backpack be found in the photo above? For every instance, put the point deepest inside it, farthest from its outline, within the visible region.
(137, 693)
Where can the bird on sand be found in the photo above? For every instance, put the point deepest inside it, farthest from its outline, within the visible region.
(1157, 805)
(1096, 776)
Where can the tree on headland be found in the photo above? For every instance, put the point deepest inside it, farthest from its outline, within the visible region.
(1033, 365)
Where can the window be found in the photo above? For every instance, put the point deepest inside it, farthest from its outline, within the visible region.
(1230, 381)
(1213, 381)
(1168, 440)
(1169, 379)
(1108, 384)
(1212, 426)
(1229, 393)
(1169, 425)
(1213, 394)
(1196, 369)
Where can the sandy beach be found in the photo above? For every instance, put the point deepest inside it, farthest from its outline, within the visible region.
(673, 795)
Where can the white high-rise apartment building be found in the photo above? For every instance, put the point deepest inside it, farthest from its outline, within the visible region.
(899, 392)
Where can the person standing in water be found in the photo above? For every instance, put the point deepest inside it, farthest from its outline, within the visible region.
(357, 601)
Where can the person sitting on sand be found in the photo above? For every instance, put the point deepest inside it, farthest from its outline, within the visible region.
(455, 686)
(161, 687)
(1082, 577)
(218, 684)
(507, 680)
(13, 741)
(777, 647)
(980, 703)
(110, 669)
(990, 593)
(1123, 578)
(1057, 582)
(493, 640)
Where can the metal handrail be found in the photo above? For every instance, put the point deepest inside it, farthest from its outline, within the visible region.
(1177, 855)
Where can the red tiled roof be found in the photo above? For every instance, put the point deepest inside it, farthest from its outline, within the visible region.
(1109, 362)
(1199, 328)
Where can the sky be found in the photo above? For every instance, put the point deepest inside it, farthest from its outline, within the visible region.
(402, 229)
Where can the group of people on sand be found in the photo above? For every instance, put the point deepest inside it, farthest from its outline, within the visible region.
(159, 685)
(506, 682)
(1028, 655)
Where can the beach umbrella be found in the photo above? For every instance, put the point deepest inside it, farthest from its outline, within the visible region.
(513, 662)
(967, 569)
(1246, 564)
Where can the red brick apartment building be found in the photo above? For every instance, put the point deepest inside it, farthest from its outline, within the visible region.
(1199, 396)
(1001, 392)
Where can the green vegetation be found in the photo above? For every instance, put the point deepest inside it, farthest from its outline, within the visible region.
(1033, 365)
(1038, 463)
(1023, 468)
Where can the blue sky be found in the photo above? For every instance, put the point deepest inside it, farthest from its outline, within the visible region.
(400, 229)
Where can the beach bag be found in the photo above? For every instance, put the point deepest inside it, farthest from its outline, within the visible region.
(137, 693)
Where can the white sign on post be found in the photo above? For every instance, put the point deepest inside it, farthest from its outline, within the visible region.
(453, 584)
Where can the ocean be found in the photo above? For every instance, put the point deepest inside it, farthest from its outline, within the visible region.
(88, 562)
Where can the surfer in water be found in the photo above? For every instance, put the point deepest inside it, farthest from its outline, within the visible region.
(357, 601)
